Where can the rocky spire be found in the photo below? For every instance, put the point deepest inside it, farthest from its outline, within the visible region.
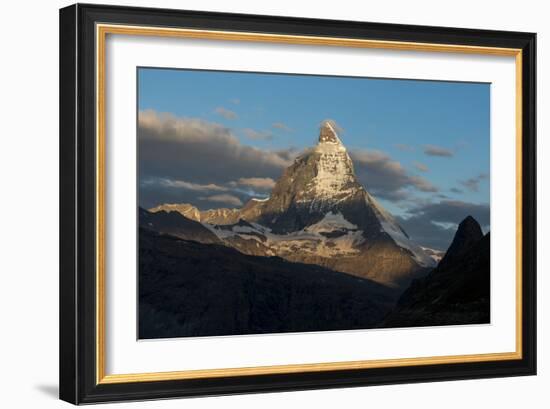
(328, 133)
(468, 233)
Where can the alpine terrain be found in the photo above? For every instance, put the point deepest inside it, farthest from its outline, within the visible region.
(317, 213)
(318, 254)
(457, 291)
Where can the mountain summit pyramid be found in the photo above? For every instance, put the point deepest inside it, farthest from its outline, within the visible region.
(468, 232)
(319, 213)
(319, 181)
(328, 133)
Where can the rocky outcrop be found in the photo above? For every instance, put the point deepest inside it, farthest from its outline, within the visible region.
(175, 224)
(457, 291)
(212, 216)
(468, 233)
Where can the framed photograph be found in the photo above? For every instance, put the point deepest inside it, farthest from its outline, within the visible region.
(258, 203)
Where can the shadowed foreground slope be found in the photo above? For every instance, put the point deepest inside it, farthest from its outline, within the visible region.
(188, 288)
(457, 291)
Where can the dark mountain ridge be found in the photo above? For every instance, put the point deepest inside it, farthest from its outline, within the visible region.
(201, 288)
(468, 232)
(175, 224)
(187, 288)
(457, 291)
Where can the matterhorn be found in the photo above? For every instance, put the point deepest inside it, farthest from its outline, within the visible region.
(319, 213)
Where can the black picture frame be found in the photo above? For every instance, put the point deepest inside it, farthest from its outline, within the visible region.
(78, 357)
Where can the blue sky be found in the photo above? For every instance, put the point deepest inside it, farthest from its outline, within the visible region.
(436, 131)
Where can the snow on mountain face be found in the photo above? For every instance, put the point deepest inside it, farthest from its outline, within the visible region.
(332, 236)
(331, 222)
(389, 225)
(383, 216)
(420, 256)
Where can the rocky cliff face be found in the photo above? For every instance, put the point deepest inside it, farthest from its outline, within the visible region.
(319, 213)
(468, 233)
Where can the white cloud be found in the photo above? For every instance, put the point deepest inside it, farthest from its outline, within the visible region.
(182, 184)
(226, 113)
(224, 198)
(433, 150)
(198, 151)
(281, 126)
(472, 184)
(258, 183)
(202, 138)
(386, 177)
(257, 135)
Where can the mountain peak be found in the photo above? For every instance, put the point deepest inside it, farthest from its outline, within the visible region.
(328, 133)
(319, 212)
(469, 228)
(468, 233)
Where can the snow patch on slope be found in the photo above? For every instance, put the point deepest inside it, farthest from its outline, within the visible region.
(331, 221)
(313, 239)
(383, 215)
(399, 236)
(403, 241)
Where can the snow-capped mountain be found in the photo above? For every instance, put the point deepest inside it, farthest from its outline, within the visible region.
(319, 213)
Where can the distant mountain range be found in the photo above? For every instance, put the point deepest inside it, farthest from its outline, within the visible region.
(318, 254)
